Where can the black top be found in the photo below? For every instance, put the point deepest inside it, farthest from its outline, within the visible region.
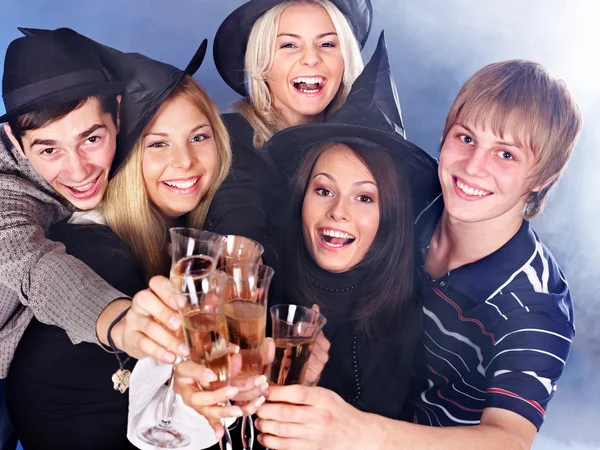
(248, 203)
(373, 374)
(61, 395)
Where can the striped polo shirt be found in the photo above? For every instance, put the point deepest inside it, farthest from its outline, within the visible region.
(496, 332)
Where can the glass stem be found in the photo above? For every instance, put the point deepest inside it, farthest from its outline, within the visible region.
(168, 403)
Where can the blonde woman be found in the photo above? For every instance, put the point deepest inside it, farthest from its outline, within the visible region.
(173, 155)
(294, 61)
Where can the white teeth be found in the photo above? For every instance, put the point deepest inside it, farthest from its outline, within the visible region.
(84, 188)
(336, 234)
(309, 80)
(469, 190)
(182, 184)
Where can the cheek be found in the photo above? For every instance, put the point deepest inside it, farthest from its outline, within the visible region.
(152, 169)
(368, 226)
(49, 171)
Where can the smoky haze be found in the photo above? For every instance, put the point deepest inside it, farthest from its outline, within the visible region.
(434, 46)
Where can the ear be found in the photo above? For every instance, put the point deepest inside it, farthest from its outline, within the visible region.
(14, 140)
(119, 97)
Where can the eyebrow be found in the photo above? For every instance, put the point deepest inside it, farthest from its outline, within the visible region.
(158, 133)
(297, 36)
(504, 143)
(80, 136)
(358, 183)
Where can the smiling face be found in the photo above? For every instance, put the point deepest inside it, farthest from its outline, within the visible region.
(74, 154)
(340, 212)
(484, 177)
(180, 157)
(307, 67)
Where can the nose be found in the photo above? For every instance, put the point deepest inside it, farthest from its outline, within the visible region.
(476, 163)
(182, 157)
(339, 210)
(310, 57)
(79, 168)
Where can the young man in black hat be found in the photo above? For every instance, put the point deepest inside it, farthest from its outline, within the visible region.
(56, 153)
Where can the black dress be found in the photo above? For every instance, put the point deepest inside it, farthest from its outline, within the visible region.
(60, 395)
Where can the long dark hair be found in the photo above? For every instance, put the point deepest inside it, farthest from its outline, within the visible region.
(387, 268)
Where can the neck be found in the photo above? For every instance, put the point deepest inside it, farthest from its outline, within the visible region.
(455, 243)
(293, 118)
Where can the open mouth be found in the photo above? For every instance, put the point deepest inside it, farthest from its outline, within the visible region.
(183, 185)
(334, 238)
(309, 85)
(469, 190)
(84, 191)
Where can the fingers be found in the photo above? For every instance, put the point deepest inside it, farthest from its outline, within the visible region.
(317, 360)
(299, 395)
(205, 402)
(251, 408)
(199, 373)
(281, 429)
(268, 351)
(278, 443)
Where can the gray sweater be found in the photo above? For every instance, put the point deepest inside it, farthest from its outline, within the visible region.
(37, 277)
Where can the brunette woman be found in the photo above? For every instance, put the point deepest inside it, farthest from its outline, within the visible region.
(294, 61)
(61, 395)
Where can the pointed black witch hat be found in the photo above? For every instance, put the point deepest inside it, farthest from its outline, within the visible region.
(371, 114)
(147, 84)
(231, 40)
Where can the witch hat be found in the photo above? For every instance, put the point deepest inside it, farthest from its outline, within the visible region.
(50, 71)
(148, 84)
(371, 114)
(231, 40)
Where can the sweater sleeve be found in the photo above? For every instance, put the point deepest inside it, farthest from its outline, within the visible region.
(59, 289)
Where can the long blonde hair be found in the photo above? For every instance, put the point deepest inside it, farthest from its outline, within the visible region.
(126, 207)
(257, 108)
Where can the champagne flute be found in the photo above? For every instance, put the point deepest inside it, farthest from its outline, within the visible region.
(205, 328)
(246, 312)
(243, 250)
(295, 330)
(185, 243)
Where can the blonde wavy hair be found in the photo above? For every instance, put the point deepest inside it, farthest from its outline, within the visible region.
(257, 107)
(126, 207)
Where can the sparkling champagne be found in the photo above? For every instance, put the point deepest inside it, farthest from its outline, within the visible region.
(206, 336)
(246, 322)
(291, 356)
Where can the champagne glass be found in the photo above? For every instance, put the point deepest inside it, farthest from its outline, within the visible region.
(205, 328)
(295, 330)
(192, 251)
(246, 311)
(243, 250)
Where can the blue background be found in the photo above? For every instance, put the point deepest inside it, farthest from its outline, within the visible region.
(434, 46)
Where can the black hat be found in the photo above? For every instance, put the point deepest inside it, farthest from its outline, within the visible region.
(148, 84)
(371, 114)
(231, 40)
(41, 72)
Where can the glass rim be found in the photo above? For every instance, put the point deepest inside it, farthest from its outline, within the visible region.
(320, 317)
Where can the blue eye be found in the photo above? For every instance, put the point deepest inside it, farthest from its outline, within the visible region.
(289, 45)
(159, 144)
(466, 139)
(506, 155)
(328, 44)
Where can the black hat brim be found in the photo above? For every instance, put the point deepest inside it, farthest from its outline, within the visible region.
(289, 147)
(64, 96)
(231, 40)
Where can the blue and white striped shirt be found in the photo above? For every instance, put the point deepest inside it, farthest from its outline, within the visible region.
(496, 333)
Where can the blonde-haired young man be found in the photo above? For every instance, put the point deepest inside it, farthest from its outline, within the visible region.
(497, 313)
